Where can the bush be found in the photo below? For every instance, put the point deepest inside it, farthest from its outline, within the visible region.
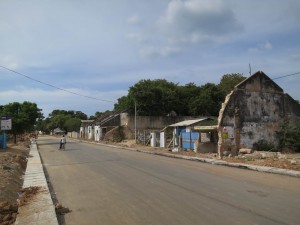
(118, 135)
(263, 145)
(290, 137)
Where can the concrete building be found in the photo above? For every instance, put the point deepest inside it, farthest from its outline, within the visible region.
(131, 124)
(255, 110)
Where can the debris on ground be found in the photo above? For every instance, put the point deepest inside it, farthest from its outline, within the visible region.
(60, 210)
(8, 212)
(285, 160)
(27, 194)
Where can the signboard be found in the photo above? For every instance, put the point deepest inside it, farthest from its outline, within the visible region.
(214, 127)
(5, 123)
(228, 132)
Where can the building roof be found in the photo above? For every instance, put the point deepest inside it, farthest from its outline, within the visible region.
(87, 121)
(188, 122)
(264, 79)
(58, 130)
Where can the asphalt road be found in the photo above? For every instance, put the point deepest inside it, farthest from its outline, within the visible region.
(104, 185)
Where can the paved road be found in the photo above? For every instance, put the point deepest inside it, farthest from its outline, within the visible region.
(103, 185)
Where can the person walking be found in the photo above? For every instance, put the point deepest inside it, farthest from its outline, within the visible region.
(63, 142)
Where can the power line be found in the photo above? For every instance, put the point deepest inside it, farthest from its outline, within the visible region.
(286, 76)
(50, 85)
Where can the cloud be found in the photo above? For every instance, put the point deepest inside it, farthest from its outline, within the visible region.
(296, 57)
(183, 24)
(154, 52)
(198, 20)
(134, 20)
(267, 46)
(48, 100)
(136, 37)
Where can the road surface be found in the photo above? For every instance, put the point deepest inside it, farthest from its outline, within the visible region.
(104, 185)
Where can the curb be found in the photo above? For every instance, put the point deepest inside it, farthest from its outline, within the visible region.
(264, 169)
(39, 209)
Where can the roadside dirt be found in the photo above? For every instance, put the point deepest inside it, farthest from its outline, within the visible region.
(288, 160)
(13, 161)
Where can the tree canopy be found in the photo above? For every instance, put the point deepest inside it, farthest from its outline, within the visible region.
(24, 116)
(67, 120)
(161, 97)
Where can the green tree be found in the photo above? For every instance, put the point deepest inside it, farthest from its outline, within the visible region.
(124, 103)
(153, 98)
(24, 116)
(160, 97)
(290, 136)
(72, 124)
(207, 102)
(67, 120)
(99, 114)
(229, 81)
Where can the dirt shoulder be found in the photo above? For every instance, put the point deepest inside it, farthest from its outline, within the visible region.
(13, 161)
(288, 160)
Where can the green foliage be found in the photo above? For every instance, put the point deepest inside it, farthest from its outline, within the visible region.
(290, 136)
(73, 124)
(208, 102)
(263, 145)
(153, 98)
(228, 81)
(72, 113)
(66, 120)
(24, 116)
(99, 114)
(123, 103)
(118, 135)
(160, 97)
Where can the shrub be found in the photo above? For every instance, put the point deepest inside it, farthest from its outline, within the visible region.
(263, 145)
(118, 135)
(290, 137)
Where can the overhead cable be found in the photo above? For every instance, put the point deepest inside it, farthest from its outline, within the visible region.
(53, 86)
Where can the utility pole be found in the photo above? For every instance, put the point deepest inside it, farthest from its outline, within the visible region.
(250, 69)
(135, 121)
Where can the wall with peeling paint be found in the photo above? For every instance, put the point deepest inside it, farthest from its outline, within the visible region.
(256, 109)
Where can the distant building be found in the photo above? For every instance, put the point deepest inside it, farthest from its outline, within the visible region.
(58, 131)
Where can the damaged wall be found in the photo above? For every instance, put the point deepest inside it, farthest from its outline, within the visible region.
(255, 110)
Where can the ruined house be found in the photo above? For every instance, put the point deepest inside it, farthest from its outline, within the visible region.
(255, 110)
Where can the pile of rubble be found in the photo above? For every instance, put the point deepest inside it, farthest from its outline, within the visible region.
(289, 161)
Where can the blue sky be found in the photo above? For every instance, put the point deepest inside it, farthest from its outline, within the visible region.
(100, 48)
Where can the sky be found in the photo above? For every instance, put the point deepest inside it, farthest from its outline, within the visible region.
(50, 49)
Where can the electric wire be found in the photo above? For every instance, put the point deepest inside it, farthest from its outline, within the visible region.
(288, 75)
(85, 96)
(53, 86)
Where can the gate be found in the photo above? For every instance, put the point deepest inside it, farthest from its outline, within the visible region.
(189, 139)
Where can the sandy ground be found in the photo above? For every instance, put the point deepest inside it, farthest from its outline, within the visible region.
(13, 161)
(286, 160)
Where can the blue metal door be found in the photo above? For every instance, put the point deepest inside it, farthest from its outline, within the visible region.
(189, 139)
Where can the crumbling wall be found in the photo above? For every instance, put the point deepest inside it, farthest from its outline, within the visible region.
(261, 117)
(255, 110)
(254, 116)
(225, 119)
(292, 109)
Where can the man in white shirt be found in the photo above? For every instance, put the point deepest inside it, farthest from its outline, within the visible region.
(63, 141)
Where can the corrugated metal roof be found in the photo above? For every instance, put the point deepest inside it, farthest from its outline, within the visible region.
(187, 122)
